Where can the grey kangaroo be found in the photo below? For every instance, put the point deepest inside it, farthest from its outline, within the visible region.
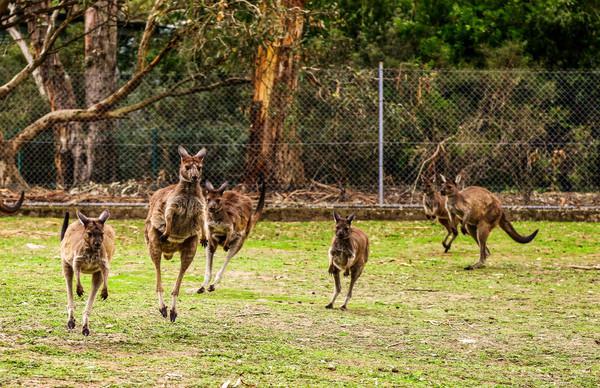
(87, 246)
(349, 252)
(174, 223)
(434, 205)
(228, 220)
(14, 208)
(480, 211)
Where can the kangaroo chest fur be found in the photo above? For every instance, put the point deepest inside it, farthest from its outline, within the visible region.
(186, 211)
(89, 260)
(342, 254)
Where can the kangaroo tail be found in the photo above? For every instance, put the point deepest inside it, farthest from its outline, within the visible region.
(15, 207)
(65, 225)
(508, 228)
(260, 206)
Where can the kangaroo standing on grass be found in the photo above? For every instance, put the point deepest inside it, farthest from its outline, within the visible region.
(174, 223)
(349, 252)
(86, 246)
(435, 208)
(480, 211)
(14, 208)
(228, 220)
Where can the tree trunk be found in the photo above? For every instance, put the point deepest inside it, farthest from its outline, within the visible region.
(100, 82)
(10, 176)
(275, 82)
(68, 146)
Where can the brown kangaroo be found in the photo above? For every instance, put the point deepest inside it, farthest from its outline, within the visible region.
(434, 205)
(349, 252)
(480, 211)
(228, 220)
(86, 246)
(14, 208)
(174, 223)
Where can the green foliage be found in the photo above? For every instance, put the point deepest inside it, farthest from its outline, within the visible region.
(465, 33)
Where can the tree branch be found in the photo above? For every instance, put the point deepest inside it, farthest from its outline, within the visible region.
(90, 114)
(52, 35)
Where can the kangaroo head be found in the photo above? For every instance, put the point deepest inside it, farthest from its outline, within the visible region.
(93, 235)
(343, 225)
(450, 188)
(213, 196)
(190, 167)
(428, 185)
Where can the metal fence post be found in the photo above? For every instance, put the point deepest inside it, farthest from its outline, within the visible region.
(380, 133)
(154, 156)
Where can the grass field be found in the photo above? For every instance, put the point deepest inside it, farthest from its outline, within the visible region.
(417, 318)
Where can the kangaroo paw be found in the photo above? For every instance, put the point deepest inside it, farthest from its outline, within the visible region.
(71, 324)
(344, 308)
(346, 273)
(204, 242)
(201, 290)
(329, 306)
(163, 238)
(163, 311)
(172, 315)
(79, 290)
(211, 288)
(104, 294)
(85, 331)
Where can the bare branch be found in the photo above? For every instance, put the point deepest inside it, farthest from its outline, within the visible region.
(52, 35)
(148, 31)
(90, 114)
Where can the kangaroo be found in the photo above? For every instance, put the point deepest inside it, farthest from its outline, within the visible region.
(228, 220)
(174, 223)
(14, 208)
(349, 252)
(86, 246)
(480, 211)
(434, 205)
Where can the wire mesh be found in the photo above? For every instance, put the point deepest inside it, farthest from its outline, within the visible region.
(518, 131)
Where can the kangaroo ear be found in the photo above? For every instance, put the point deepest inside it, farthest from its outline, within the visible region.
(222, 188)
(336, 216)
(457, 179)
(201, 154)
(104, 216)
(443, 178)
(350, 218)
(209, 185)
(82, 218)
(183, 152)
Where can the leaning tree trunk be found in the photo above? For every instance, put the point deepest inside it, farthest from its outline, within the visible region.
(59, 89)
(275, 82)
(100, 81)
(10, 176)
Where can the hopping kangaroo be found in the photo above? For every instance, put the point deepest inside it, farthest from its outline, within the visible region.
(228, 220)
(14, 208)
(349, 252)
(435, 208)
(86, 246)
(174, 223)
(480, 211)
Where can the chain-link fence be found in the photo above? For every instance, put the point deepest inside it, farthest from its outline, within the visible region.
(517, 131)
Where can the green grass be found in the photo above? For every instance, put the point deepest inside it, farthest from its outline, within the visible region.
(417, 318)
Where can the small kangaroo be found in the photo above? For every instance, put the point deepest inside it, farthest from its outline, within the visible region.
(480, 211)
(86, 246)
(228, 220)
(14, 208)
(434, 205)
(174, 223)
(349, 252)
